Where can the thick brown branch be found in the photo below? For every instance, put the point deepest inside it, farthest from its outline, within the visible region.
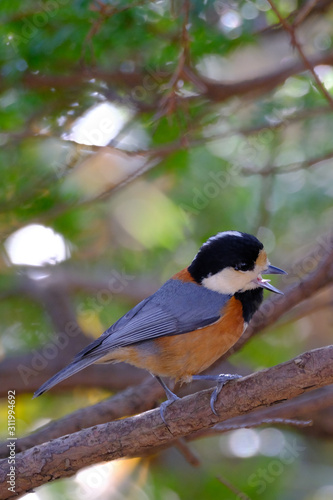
(220, 92)
(215, 91)
(143, 397)
(133, 436)
(79, 77)
(112, 284)
(133, 400)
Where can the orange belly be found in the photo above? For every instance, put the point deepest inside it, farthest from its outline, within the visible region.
(181, 356)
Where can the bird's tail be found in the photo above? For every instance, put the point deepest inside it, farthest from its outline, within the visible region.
(74, 367)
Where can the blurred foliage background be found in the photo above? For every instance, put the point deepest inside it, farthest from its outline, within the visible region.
(131, 131)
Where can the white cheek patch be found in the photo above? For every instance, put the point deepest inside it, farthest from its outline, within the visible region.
(229, 281)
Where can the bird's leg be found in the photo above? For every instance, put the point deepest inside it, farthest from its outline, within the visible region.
(171, 398)
(221, 380)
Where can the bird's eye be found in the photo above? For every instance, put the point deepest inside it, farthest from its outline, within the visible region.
(241, 267)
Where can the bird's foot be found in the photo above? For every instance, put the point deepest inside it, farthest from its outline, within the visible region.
(222, 379)
(171, 398)
(165, 404)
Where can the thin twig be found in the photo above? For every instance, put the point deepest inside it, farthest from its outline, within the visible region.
(225, 427)
(291, 167)
(289, 29)
(232, 487)
(187, 453)
(304, 11)
(168, 102)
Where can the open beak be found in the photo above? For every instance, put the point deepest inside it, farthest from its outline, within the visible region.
(266, 283)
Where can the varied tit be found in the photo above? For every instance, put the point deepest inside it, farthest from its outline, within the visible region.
(191, 321)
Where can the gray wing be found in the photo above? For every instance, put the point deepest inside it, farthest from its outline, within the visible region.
(176, 308)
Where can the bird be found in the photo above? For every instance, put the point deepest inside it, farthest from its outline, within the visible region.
(191, 320)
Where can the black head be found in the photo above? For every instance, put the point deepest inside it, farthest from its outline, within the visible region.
(230, 262)
(228, 249)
